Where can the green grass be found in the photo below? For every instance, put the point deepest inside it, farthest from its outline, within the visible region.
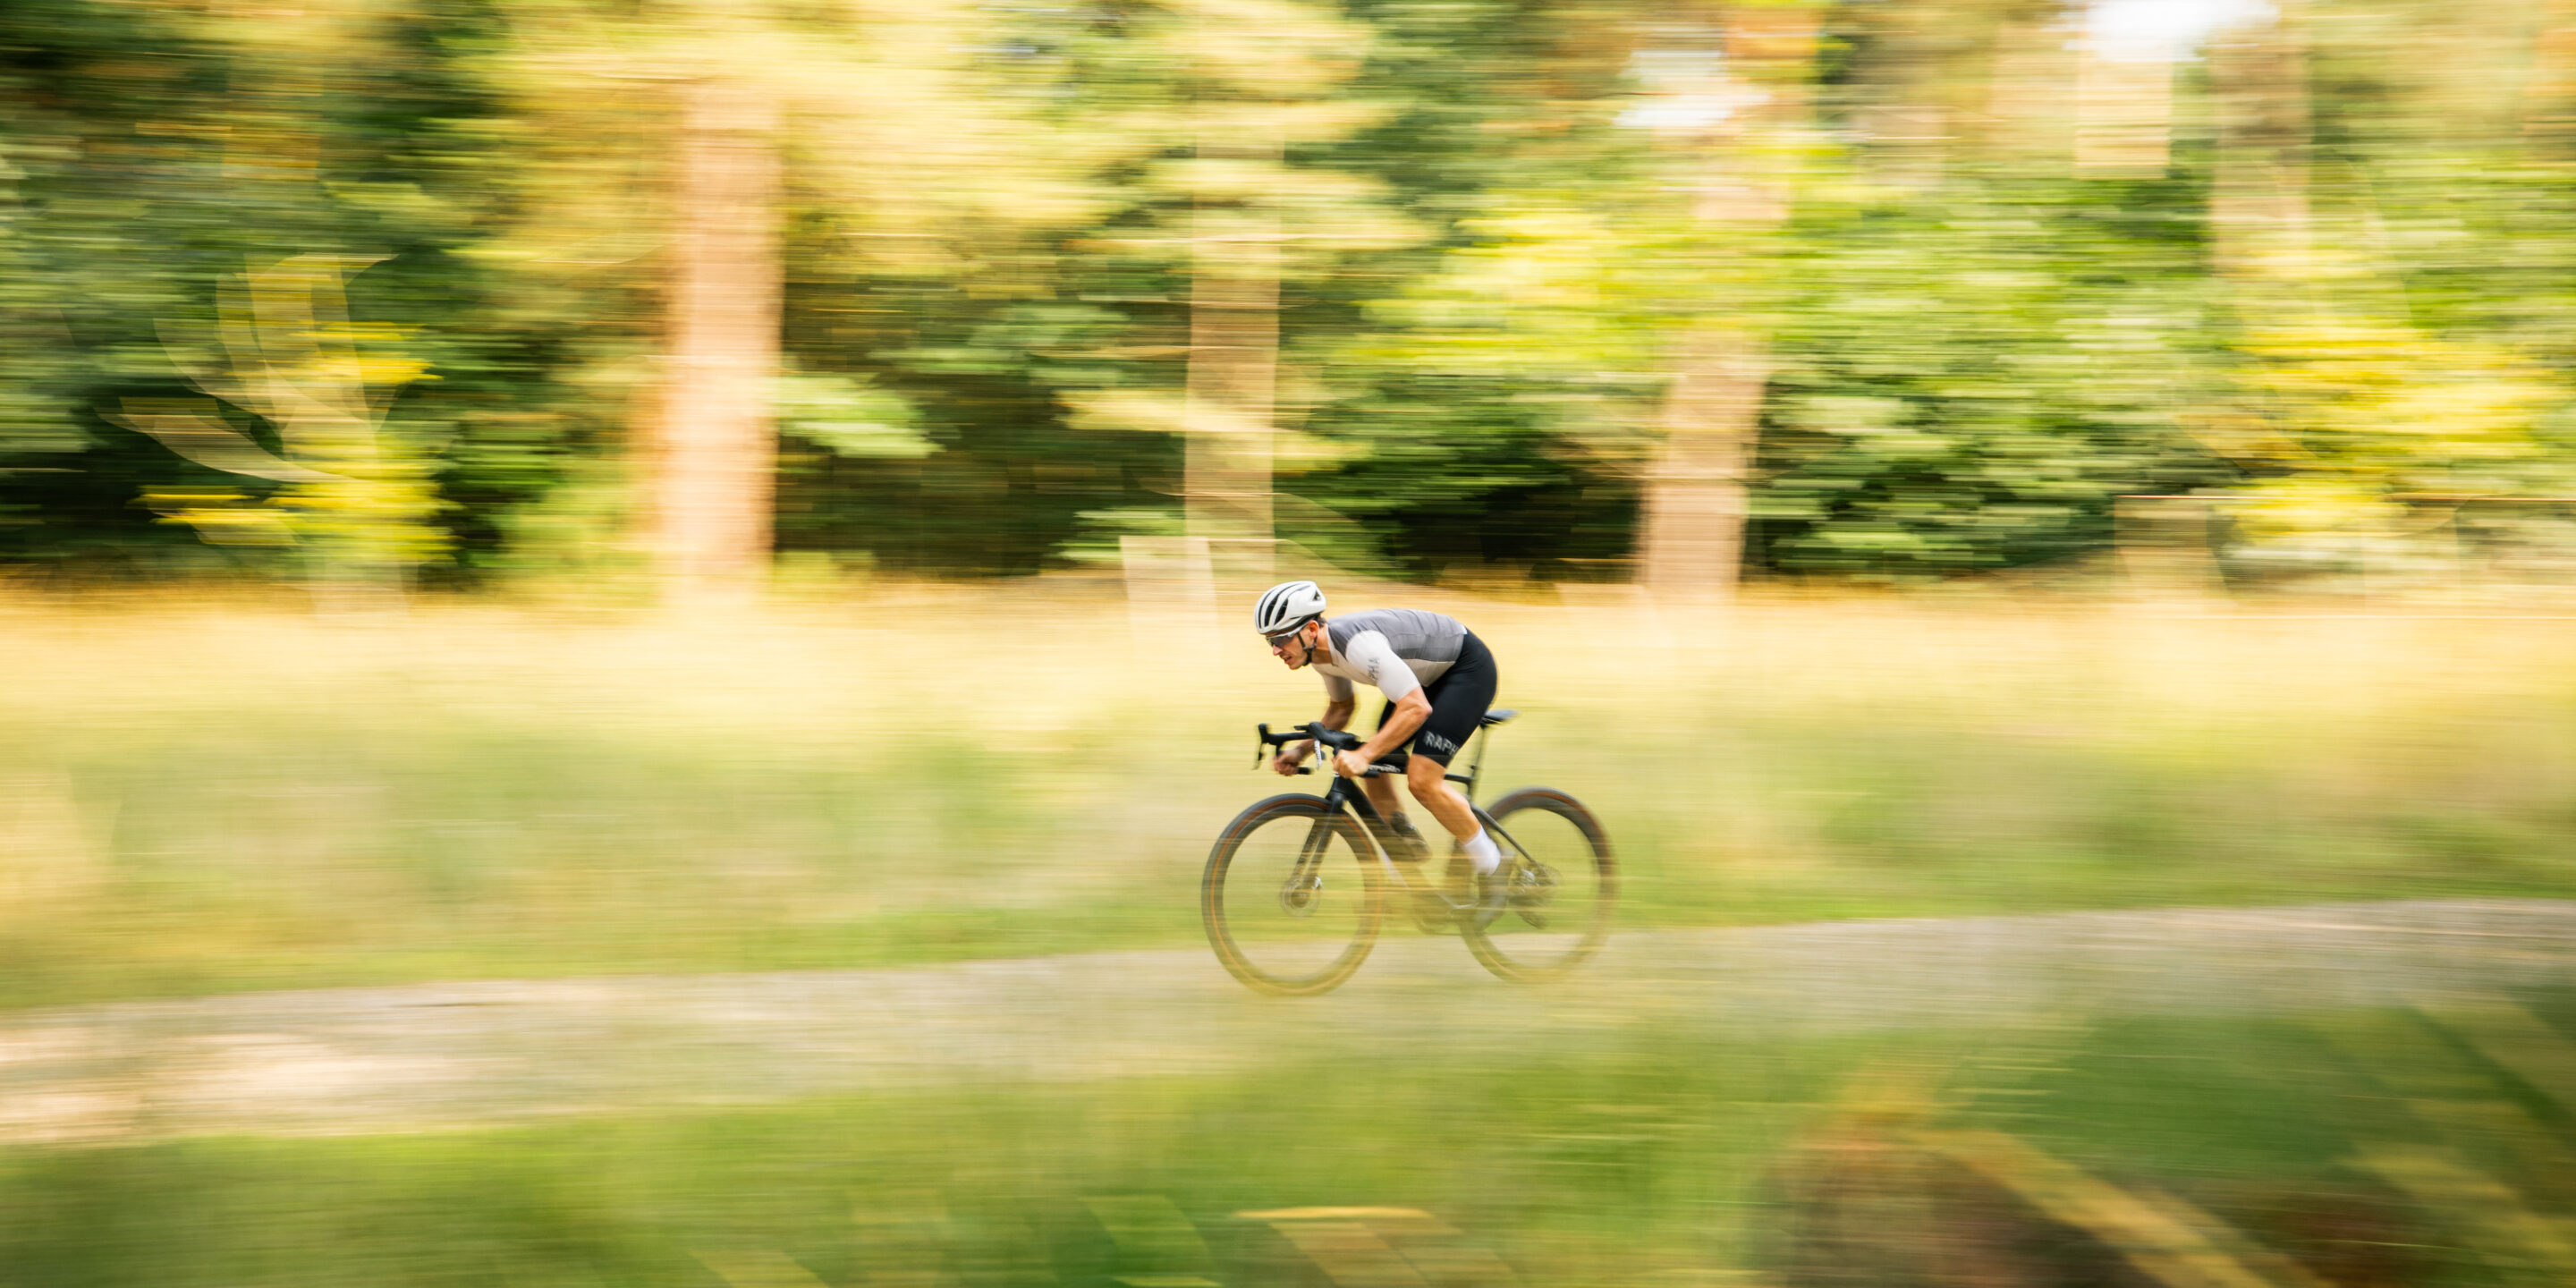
(1642, 1159)
(202, 799)
(1565, 1157)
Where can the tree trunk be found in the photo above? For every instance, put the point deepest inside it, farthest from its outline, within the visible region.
(2549, 89)
(2258, 197)
(1691, 537)
(710, 465)
(2029, 82)
(2123, 114)
(1233, 376)
(1693, 528)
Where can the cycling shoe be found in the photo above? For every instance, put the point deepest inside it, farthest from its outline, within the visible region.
(1493, 897)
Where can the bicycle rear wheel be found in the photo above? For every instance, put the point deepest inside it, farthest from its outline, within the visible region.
(1292, 896)
(1564, 887)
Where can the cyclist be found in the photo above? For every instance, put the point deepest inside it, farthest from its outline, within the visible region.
(1438, 679)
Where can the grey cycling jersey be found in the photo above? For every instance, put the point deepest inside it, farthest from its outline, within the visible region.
(1396, 649)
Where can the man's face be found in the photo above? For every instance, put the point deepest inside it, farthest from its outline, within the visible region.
(1296, 649)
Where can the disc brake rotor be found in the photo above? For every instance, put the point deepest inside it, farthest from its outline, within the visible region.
(1299, 894)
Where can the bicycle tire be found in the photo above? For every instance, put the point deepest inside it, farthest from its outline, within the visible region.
(1547, 931)
(1238, 902)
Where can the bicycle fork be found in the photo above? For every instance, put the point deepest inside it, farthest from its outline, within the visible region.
(1304, 887)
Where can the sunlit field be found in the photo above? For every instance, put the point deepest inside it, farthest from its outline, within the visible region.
(225, 796)
(219, 796)
(625, 629)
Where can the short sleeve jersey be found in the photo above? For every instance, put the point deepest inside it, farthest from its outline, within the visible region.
(1397, 650)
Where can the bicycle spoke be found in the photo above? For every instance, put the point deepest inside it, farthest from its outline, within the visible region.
(1290, 905)
(1561, 889)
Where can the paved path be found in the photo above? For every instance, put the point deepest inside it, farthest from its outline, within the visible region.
(341, 1061)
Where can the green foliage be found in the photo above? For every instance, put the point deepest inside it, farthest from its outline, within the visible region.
(157, 152)
(1966, 382)
(1487, 241)
(2342, 1145)
(851, 418)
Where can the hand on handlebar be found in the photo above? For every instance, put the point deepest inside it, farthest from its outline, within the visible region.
(1350, 764)
(1285, 763)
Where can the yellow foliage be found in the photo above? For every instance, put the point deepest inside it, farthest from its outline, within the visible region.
(2355, 414)
(285, 348)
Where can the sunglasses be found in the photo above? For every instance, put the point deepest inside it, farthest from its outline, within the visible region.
(1281, 640)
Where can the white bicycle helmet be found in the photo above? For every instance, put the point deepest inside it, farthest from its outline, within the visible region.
(1287, 606)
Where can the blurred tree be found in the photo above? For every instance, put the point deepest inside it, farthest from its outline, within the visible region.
(159, 152)
(711, 454)
(1750, 151)
(873, 102)
(2365, 402)
(1991, 329)
(285, 349)
(1255, 70)
(1471, 402)
(1969, 353)
(2259, 215)
(1482, 286)
(1253, 80)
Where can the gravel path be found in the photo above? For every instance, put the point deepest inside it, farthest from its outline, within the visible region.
(346, 1061)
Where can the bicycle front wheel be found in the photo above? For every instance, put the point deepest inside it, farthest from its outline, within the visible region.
(1292, 896)
(1564, 885)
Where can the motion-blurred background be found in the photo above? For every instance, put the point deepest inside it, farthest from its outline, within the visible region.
(620, 636)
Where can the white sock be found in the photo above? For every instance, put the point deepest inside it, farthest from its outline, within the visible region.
(1482, 852)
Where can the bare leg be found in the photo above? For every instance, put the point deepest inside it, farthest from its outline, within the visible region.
(1381, 793)
(1430, 784)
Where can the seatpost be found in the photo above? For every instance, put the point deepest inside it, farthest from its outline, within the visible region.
(1476, 768)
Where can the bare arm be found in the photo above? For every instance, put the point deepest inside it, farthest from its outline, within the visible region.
(1410, 711)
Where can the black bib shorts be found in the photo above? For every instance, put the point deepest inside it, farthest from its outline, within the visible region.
(1459, 700)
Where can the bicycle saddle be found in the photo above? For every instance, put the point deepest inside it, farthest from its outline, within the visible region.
(1498, 716)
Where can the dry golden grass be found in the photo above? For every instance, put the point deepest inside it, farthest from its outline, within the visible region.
(204, 795)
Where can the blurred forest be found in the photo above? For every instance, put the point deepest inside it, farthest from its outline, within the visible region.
(444, 292)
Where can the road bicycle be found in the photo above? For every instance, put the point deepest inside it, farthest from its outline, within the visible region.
(1297, 886)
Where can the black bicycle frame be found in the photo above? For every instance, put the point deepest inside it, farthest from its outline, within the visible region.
(1346, 794)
